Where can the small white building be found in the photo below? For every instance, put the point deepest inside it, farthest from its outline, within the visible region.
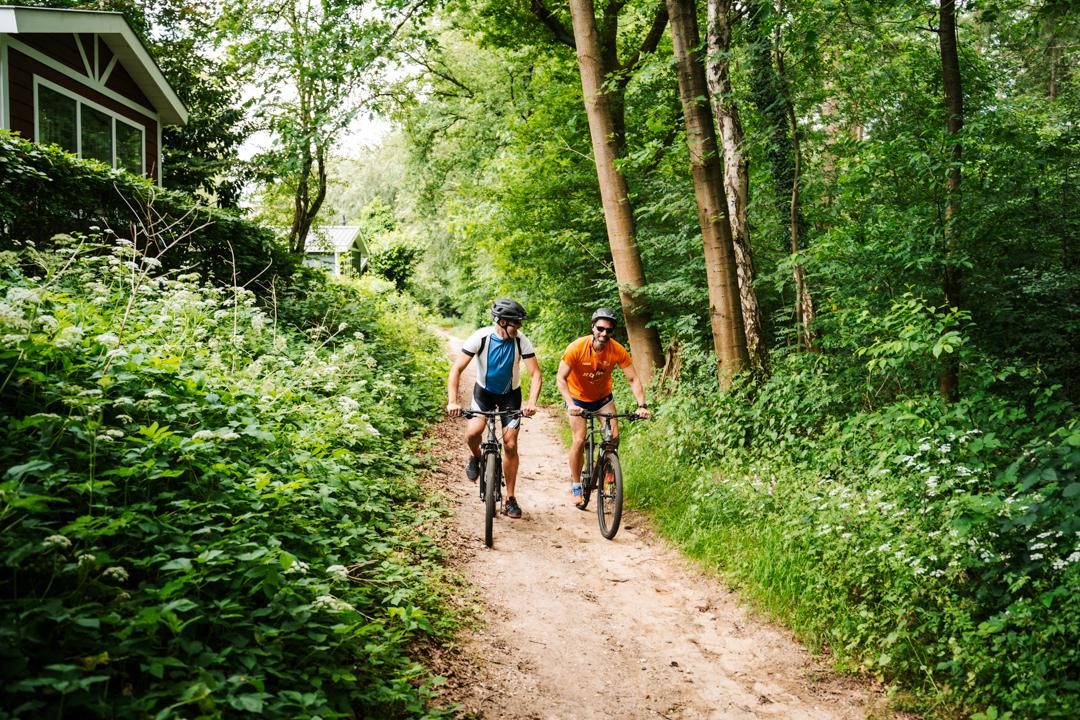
(336, 249)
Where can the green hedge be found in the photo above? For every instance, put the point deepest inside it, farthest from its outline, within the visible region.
(207, 513)
(45, 191)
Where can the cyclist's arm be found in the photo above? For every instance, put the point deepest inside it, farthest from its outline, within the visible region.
(533, 366)
(453, 407)
(638, 389)
(564, 388)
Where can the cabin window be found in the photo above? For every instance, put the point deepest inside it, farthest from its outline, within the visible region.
(88, 130)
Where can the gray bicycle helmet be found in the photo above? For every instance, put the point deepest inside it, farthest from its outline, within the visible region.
(604, 314)
(507, 309)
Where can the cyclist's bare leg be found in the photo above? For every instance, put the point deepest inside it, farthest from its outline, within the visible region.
(510, 459)
(577, 446)
(474, 431)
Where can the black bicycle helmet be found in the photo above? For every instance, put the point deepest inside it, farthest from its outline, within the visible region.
(604, 314)
(507, 309)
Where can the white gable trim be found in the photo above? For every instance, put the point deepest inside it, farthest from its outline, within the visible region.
(114, 30)
(89, 82)
(108, 70)
(82, 54)
(5, 104)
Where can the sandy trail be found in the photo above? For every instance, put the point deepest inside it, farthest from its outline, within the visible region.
(578, 627)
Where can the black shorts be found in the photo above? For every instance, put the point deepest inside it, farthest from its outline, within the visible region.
(487, 401)
(594, 405)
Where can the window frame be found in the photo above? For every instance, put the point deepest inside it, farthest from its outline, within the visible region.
(80, 101)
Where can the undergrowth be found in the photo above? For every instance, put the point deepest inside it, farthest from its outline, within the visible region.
(206, 507)
(936, 547)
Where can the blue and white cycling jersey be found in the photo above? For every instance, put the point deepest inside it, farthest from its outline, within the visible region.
(497, 359)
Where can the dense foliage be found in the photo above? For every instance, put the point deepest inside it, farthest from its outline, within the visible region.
(45, 191)
(929, 541)
(934, 544)
(207, 506)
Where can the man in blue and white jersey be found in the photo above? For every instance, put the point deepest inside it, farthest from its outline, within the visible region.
(498, 349)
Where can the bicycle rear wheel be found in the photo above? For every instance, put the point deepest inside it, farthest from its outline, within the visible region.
(609, 495)
(491, 489)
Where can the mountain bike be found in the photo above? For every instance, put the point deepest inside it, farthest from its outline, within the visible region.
(491, 473)
(602, 471)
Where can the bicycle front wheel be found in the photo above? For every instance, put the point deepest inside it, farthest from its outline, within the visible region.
(609, 495)
(491, 489)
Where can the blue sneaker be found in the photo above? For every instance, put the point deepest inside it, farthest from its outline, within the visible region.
(472, 468)
(512, 510)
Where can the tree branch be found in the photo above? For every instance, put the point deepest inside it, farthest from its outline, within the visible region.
(648, 45)
(552, 23)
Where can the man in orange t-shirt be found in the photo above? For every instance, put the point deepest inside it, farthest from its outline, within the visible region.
(584, 380)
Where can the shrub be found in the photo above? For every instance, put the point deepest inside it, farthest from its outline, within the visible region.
(205, 513)
(45, 191)
(936, 546)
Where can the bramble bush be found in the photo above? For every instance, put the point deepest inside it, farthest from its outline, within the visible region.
(207, 509)
(935, 546)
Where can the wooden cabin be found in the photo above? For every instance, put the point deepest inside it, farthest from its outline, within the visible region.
(84, 81)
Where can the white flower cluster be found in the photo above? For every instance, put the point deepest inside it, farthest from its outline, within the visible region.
(299, 567)
(338, 572)
(56, 541)
(332, 604)
(116, 573)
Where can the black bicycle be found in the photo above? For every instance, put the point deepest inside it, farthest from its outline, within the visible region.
(602, 471)
(491, 473)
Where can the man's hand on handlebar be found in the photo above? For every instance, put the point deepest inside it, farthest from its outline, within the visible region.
(574, 409)
(528, 411)
(643, 413)
(453, 409)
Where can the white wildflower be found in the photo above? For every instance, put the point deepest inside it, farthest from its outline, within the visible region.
(347, 405)
(56, 541)
(299, 567)
(338, 572)
(109, 340)
(333, 604)
(204, 435)
(116, 573)
(22, 295)
(68, 337)
(86, 560)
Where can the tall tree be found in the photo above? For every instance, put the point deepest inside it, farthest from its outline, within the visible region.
(948, 381)
(725, 312)
(785, 160)
(310, 59)
(736, 171)
(614, 191)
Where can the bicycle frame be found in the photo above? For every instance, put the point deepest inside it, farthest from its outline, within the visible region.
(593, 458)
(491, 472)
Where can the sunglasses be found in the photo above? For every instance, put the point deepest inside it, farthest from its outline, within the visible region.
(604, 329)
(512, 323)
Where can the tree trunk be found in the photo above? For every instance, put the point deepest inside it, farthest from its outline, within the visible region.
(949, 378)
(736, 174)
(767, 88)
(614, 192)
(725, 311)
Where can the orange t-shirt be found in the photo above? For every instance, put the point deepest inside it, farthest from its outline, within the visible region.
(590, 372)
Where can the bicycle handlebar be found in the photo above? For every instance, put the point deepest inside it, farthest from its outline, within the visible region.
(597, 414)
(491, 413)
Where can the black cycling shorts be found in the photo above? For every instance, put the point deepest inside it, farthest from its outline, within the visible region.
(594, 405)
(487, 401)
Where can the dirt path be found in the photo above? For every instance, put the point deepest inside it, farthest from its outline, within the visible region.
(579, 627)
